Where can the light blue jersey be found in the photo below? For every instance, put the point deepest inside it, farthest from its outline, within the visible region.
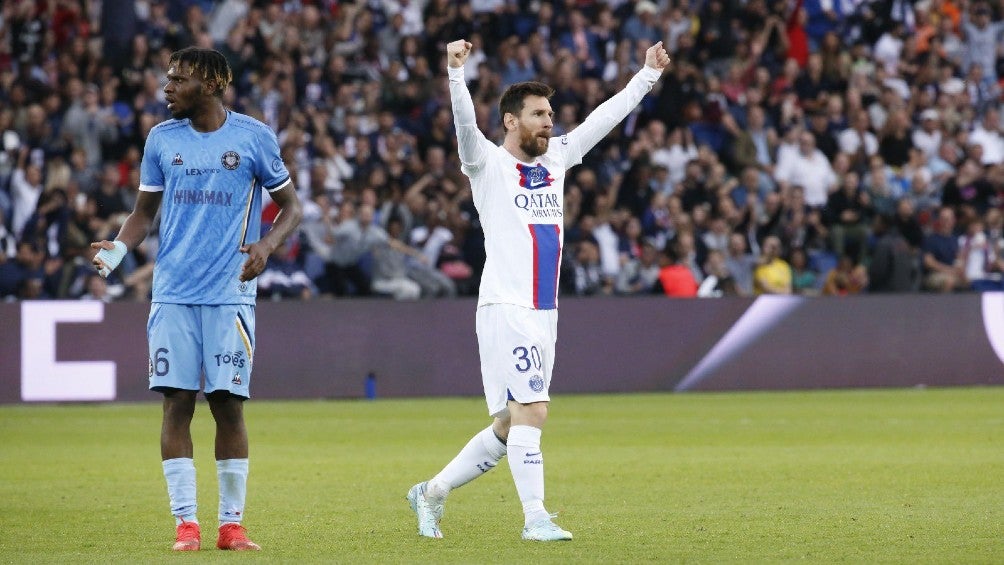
(212, 203)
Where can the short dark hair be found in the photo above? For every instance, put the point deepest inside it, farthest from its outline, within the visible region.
(209, 64)
(513, 97)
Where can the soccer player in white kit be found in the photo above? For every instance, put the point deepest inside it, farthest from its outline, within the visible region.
(518, 189)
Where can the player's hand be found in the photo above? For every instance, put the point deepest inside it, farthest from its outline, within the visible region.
(255, 263)
(108, 257)
(457, 52)
(657, 57)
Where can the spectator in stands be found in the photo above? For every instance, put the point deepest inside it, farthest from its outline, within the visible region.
(988, 135)
(676, 277)
(848, 212)
(584, 44)
(895, 141)
(928, 135)
(91, 126)
(808, 168)
(893, 266)
(981, 263)
(804, 279)
(16, 271)
(881, 185)
(857, 141)
(390, 257)
(848, 277)
(585, 272)
(26, 189)
(97, 289)
(639, 275)
(284, 276)
(718, 281)
(826, 141)
(969, 187)
(982, 38)
(772, 274)
(344, 269)
(940, 255)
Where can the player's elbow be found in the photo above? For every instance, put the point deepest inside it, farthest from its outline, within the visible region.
(294, 210)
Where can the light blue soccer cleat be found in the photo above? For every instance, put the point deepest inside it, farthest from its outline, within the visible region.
(545, 530)
(428, 513)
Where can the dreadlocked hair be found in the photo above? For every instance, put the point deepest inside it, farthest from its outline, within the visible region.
(210, 65)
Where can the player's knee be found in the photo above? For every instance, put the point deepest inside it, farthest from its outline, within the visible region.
(226, 408)
(532, 414)
(179, 405)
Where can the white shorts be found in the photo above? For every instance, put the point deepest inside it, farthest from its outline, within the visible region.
(517, 354)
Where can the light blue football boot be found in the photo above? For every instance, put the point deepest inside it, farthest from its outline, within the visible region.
(428, 512)
(545, 530)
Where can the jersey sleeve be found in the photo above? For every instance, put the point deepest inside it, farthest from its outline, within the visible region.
(608, 114)
(473, 146)
(269, 167)
(151, 175)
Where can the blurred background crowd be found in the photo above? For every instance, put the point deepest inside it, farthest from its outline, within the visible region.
(795, 146)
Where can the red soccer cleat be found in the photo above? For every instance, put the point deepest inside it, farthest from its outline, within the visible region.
(189, 538)
(233, 537)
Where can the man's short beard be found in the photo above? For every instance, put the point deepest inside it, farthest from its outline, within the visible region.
(531, 144)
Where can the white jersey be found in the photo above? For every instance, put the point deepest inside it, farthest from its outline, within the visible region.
(521, 204)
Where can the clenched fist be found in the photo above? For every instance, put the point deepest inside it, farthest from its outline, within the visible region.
(657, 57)
(457, 52)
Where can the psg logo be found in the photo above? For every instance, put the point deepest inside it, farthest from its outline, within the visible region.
(532, 178)
(536, 383)
(231, 160)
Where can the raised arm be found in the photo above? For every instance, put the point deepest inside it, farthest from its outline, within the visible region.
(471, 142)
(610, 113)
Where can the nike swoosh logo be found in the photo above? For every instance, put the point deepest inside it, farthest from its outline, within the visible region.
(532, 454)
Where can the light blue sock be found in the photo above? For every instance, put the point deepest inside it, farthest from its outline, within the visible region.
(233, 475)
(180, 475)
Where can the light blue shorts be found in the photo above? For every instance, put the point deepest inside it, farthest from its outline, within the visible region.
(188, 342)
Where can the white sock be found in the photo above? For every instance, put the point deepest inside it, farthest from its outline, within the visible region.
(180, 476)
(481, 454)
(527, 465)
(233, 476)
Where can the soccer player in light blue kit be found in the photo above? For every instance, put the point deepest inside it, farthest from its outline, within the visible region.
(205, 171)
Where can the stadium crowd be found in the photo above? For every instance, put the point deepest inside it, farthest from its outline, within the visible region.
(795, 146)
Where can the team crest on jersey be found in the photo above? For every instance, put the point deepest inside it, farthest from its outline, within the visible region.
(536, 383)
(231, 160)
(177, 159)
(535, 177)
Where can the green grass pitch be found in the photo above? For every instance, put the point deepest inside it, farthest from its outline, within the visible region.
(861, 476)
